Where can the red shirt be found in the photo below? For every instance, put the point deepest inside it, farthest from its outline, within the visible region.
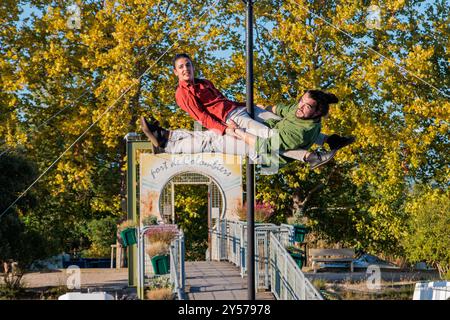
(205, 104)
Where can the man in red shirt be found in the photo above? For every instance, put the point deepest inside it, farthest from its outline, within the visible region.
(209, 106)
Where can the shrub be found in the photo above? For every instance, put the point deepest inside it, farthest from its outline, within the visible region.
(160, 294)
(263, 212)
(150, 220)
(12, 286)
(102, 234)
(428, 235)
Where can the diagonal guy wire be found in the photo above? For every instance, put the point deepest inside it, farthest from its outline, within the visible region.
(95, 122)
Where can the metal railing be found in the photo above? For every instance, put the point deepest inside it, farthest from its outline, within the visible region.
(275, 269)
(287, 281)
(177, 274)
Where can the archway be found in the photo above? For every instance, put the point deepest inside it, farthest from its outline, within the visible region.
(161, 172)
(216, 197)
(206, 203)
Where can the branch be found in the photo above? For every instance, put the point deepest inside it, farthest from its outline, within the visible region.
(317, 188)
(332, 208)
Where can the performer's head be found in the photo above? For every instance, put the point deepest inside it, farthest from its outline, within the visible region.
(314, 104)
(183, 67)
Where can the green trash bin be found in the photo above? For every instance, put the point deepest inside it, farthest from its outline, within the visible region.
(128, 236)
(299, 232)
(161, 264)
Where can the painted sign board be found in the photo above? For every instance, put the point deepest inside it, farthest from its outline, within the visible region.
(156, 170)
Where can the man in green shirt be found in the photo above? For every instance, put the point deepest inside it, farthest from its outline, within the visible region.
(298, 128)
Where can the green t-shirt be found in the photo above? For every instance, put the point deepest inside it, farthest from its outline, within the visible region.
(294, 133)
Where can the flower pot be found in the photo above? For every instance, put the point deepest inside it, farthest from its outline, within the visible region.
(299, 258)
(299, 232)
(128, 236)
(161, 264)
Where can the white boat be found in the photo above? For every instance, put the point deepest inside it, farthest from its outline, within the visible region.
(436, 290)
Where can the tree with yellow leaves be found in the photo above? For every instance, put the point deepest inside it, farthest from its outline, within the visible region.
(390, 72)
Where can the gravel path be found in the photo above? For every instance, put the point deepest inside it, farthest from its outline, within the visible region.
(89, 278)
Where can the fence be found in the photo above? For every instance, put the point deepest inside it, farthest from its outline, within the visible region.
(275, 269)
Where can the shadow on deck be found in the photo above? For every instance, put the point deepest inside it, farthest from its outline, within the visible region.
(214, 280)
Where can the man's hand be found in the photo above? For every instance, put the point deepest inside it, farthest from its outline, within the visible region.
(267, 108)
(231, 132)
(239, 133)
(231, 124)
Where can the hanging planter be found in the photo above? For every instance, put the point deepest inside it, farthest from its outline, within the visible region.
(161, 264)
(299, 232)
(128, 233)
(128, 236)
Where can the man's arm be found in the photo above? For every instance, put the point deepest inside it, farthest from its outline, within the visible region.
(283, 109)
(272, 109)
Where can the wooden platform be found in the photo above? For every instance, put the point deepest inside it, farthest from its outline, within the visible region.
(213, 280)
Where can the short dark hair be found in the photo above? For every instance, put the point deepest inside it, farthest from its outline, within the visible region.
(179, 56)
(323, 100)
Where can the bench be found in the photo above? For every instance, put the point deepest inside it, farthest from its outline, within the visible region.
(332, 255)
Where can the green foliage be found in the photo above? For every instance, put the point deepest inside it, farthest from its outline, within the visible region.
(19, 242)
(150, 220)
(428, 238)
(8, 292)
(159, 282)
(191, 208)
(102, 234)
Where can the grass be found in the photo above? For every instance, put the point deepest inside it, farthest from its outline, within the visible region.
(51, 293)
(359, 291)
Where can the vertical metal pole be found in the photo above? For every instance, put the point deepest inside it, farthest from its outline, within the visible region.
(250, 166)
(172, 200)
(182, 275)
(210, 222)
(131, 210)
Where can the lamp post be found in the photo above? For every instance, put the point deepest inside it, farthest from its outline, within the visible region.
(250, 165)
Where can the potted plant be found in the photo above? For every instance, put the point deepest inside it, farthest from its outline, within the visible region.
(160, 288)
(158, 250)
(300, 230)
(150, 220)
(127, 231)
(298, 255)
